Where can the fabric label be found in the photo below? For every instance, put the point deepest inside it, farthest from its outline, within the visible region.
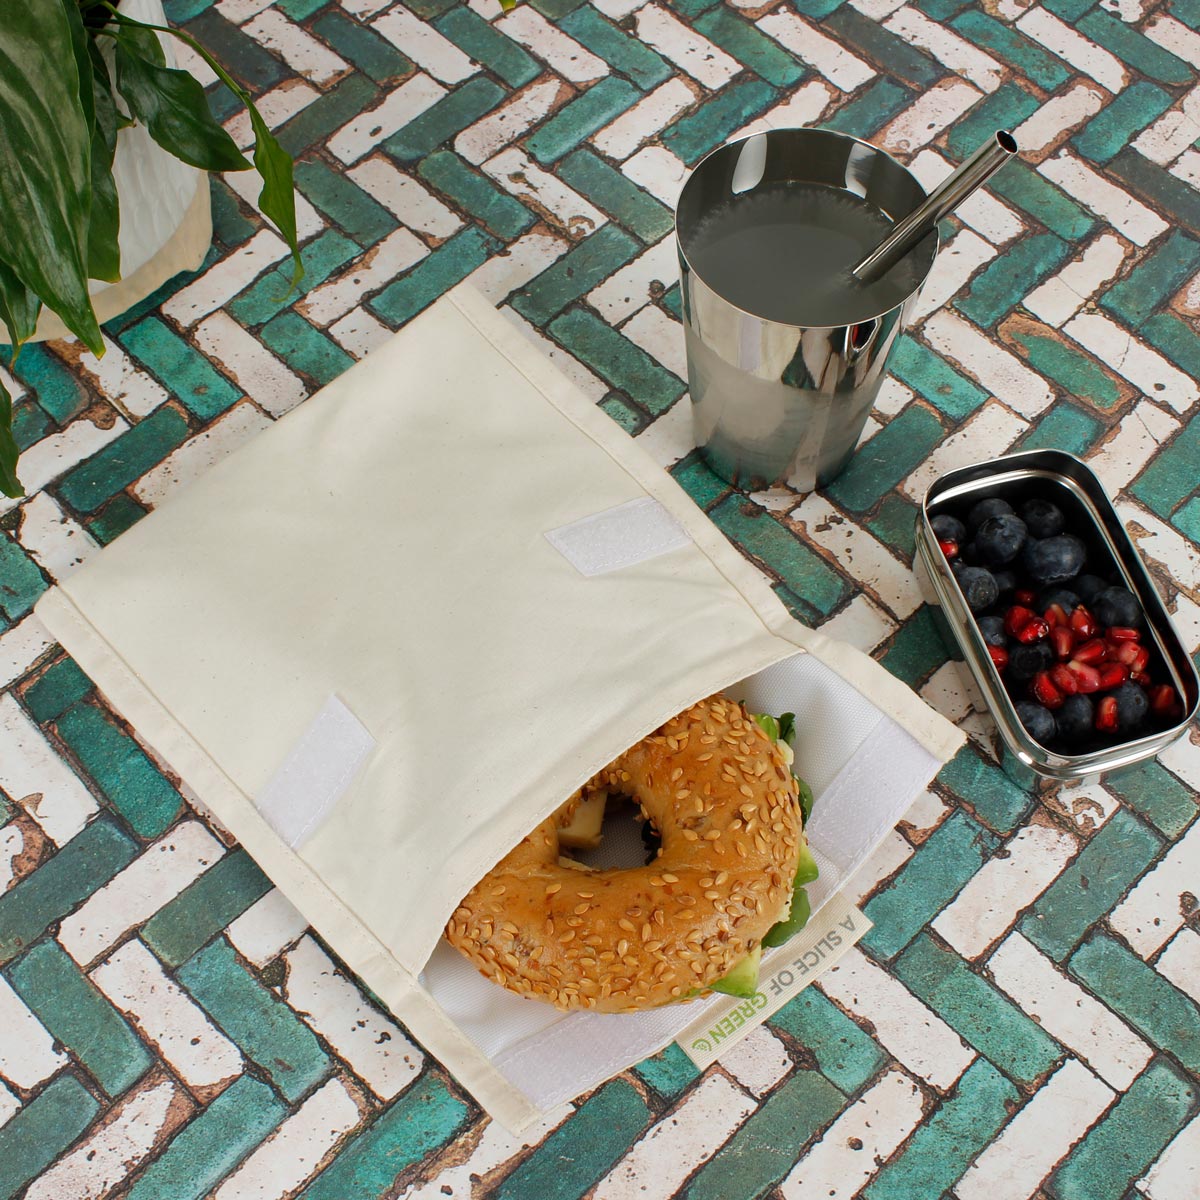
(618, 537)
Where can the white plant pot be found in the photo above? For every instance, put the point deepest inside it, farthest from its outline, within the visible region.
(166, 217)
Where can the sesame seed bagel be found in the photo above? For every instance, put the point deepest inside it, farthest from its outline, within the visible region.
(725, 805)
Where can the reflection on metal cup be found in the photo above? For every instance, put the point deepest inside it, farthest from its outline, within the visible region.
(778, 402)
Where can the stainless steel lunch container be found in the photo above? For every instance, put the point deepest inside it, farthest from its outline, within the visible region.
(1015, 477)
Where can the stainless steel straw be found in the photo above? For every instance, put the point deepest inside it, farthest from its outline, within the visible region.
(946, 197)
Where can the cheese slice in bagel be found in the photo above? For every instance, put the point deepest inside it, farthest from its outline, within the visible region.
(718, 789)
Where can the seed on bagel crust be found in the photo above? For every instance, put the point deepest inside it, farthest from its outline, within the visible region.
(623, 940)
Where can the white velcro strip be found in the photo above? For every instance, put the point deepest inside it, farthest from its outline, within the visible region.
(315, 774)
(618, 537)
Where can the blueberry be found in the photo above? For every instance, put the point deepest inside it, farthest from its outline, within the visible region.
(949, 529)
(992, 629)
(993, 506)
(969, 553)
(1132, 706)
(1076, 717)
(1066, 599)
(1006, 581)
(978, 588)
(1118, 606)
(1038, 721)
(1053, 559)
(999, 539)
(1025, 661)
(1043, 518)
(1089, 587)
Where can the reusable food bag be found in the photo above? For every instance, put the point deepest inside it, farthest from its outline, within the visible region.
(392, 633)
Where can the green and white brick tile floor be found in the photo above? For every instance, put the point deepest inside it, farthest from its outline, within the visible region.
(1023, 1020)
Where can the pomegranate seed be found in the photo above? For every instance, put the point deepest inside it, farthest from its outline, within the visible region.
(1113, 675)
(1056, 615)
(1124, 652)
(1064, 679)
(1017, 618)
(1141, 678)
(1033, 630)
(948, 548)
(1121, 633)
(999, 657)
(1083, 622)
(1025, 595)
(1163, 701)
(1106, 714)
(1091, 652)
(1140, 662)
(1063, 641)
(1087, 677)
(1044, 692)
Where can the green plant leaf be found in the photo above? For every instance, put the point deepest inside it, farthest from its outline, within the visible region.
(45, 163)
(83, 63)
(278, 196)
(19, 308)
(104, 226)
(9, 484)
(175, 110)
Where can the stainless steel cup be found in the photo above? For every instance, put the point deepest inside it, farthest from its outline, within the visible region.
(776, 403)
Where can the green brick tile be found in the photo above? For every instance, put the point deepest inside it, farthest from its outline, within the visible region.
(622, 52)
(353, 95)
(895, 525)
(1146, 999)
(240, 54)
(360, 44)
(916, 650)
(582, 117)
(927, 883)
(693, 8)
(845, 1054)
(589, 263)
(998, 1029)
(1135, 49)
(272, 292)
(1121, 120)
(1005, 108)
(739, 38)
(344, 202)
(6, 811)
(56, 689)
(87, 862)
(627, 367)
(709, 125)
(893, 453)
(765, 1148)
(871, 111)
(1090, 887)
(761, 534)
(554, 10)
(301, 10)
(1176, 339)
(1154, 280)
(1187, 520)
(700, 482)
(212, 1143)
(130, 456)
(797, 605)
(899, 58)
(181, 367)
(1069, 10)
(120, 768)
(29, 424)
(1013, 47)
(1008, 279)
(1160, 187)
(32, 1139)
(1171, 475)
(618, 196)
(305, 349)
(487, 46)
(1187, 11)
(58, 391)
(817, 8)
(1128, 1138)
(422, 1119)
(429, 8)
(1150, 789)
(499, 211)
(942, 1149)
(1077, 373)
(452, 113)
(265, 1028)
(941, 10)
(205, 907)
(669, 1072)
(119, 514)
(623, 412)
(1064, 427)
(1041, 200)
(79, 1017)
(21, 580)
(178, 12)
(932, 377)
(451, 262)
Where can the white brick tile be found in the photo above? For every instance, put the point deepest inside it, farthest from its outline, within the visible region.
(658, 171)
(628, 289)
(997, 370)
(203, 1057)
(511, 120)
(238, 11)
(1180, 962)
(1159, 543)
(1130, 357)
(1182, 758)
(15, 839)
(561, 53)
(1174, 37)
(188, 462)
(758, 1062)
(683, 46)
(372, 270)
(1176, 1173)
(946, 691)
(9, 1106)
(117, 1147)
(362, 133)
(1185, 614)
(660, 336)
(224, 280)
(913, 26)
(885, 860)
(248, 186)
(13, 386)
(34, 775)
(1137, 438)
(862, 623)
(1072, 47)
(956, 262)
(265, 928)
(990, 431)
(56, 541)
(642, 121)
(294, 1152)
(831, 59)
(425, 46)
(27, 1051)
(514, 171)
(678, 1143)
(528, 256)
(993, 897)
(670, 437)
(21, 646)
(1064, 294)
(1151, 913)
(848, 1153)
(805, 106)
(1061, 1112)
(405, 197)
(368, 8)
(1058, 117)
(136, 893)
(120, 380)
(1127, 216)
(912, 1033)
(358, 333)
(924, 815)
(1068, 1013)
(267, 380)
(983, 212)
(276, 106)
(1173, 133)
(375, 1048)
(591, 386)
(297, 47)
(928, 115)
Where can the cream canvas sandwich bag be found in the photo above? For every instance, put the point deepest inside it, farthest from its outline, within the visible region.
(392, 633)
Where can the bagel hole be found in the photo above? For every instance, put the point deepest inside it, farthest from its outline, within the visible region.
(628, 838)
